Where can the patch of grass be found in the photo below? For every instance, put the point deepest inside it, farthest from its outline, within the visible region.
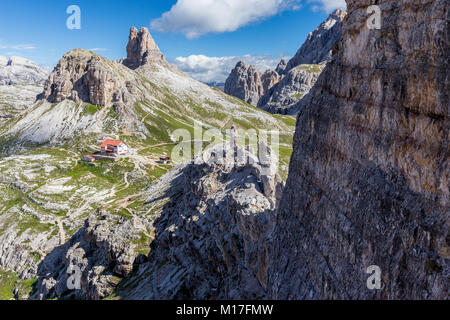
(33, 223)
(10, 282)
(290, 121)
(91, 109)
(104, 169)
(122, 213)
(310, 68)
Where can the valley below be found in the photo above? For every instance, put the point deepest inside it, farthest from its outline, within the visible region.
(128, 179)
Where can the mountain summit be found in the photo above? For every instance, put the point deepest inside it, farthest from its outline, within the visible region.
(142, 49)
(285, 90)
(317, 48)
(244, 82)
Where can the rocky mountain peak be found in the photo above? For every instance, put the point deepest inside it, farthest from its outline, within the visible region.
(285, 90)
(244, 82)
(141, 49)
(281, 66)
(290, 94)
(269, 79)
(320, 42)
(82, 75)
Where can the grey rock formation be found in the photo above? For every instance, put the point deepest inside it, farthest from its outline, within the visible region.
(369, 177)
(85, 76)
(281, 67)
(319, 44)
(16, 99)
(17, 70)
(285, 90)
(244, 82)
(142, 49)
(212, 237)
(284, 97)
(269, 79)
(103, 251)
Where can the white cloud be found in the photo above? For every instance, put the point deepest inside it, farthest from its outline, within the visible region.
(98, 49)
(194, 18)
(19, 47)
(217, 69)
(328, 5)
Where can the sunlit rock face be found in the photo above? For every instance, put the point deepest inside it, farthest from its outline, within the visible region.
(244, 82)
(319, 44)
(368, 179)
(82, 75)
(142, 49)
(18, 70)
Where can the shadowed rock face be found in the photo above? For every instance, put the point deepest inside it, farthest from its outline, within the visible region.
(368, 179)
(212, 237)
(104, 248)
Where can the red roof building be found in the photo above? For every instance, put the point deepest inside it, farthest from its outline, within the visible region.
(114, 146)
(114, 143)
(88, 158)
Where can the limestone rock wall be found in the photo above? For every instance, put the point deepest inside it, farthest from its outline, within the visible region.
(213, 235)
(319, 44)
(142, 49)
(84, 76)
(369, 175)
(244, 82)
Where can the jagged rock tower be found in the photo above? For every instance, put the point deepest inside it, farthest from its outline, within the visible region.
(142, 49)
(245, 83)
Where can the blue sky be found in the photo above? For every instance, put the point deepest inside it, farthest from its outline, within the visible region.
(264, 29)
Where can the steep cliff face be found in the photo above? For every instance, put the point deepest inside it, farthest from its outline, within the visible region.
(244, 82)
(142, 49)
(269, 79)
(368, 181)
(317, 48)
(211, 237)
(285, 89)
(285, 95)
(103, 250)
(82, 75)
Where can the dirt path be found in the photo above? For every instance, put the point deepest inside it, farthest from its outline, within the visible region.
(62, 234)
(125, 178)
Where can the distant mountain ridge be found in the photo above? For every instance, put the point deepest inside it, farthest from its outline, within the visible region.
(285, 89)
(319, 44)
